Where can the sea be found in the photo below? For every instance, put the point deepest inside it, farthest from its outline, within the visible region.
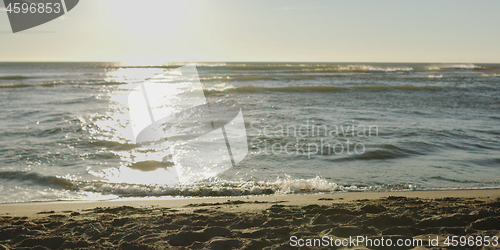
(311, 128)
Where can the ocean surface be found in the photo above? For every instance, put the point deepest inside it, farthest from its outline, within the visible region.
(311, 127)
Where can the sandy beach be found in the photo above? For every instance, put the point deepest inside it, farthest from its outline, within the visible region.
(259, 222)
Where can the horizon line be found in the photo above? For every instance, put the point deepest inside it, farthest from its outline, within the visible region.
(104, 61)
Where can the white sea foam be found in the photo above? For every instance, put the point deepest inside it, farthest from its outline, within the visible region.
(281, 186)
(488, 75)
(388, 70)
(435, 76)
(453, 66)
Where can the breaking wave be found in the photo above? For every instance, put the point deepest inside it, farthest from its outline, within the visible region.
(453, 66)
(213, 188)
(231, 188)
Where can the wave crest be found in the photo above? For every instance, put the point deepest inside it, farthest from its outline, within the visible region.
(13, 77)
(231, 188)
(16, 85)
(37, 179)
(252, 89)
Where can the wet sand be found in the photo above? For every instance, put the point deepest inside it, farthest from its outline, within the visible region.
(263, 222)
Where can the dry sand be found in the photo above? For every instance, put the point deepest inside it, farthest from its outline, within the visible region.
(264, 222)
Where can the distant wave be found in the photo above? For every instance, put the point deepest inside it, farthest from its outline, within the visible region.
(313, 67)
(57, 83)
(9, 86)
(172, 65)
(251, 89)
(388, 70)
(492, 74)
(434, 76)
(51, 84)
(13, 77)
(327, 67)
(147, 67)
(453, 66)
(98, 82)
(355, 68)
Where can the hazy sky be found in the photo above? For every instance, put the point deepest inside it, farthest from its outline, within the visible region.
(148, 31)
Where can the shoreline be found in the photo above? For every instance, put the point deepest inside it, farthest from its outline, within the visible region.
(30, 208)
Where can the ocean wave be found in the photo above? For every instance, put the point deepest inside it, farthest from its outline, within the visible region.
(51, 84)
(278, 77)
(464, 66)
(210, 188)
(36, 179)
(492, 75)
(14, 77)
(330, 74)
(380, 154)
(388, 70)
(330, 68)
(80, 83)
(145, 66)
(58, 83)
(202, 64)
(434, 76)
(113, 145)
(336, 70)
(214, 188)
(438, 177)
(15, 85)
(358, 69)
(172, 65)
(253, 89)
(309, 67)
(232, 188)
